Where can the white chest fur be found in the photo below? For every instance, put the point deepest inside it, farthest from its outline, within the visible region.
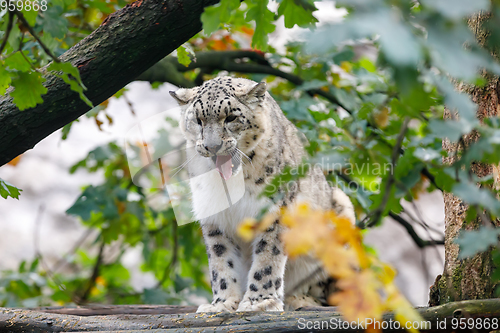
(225, 203)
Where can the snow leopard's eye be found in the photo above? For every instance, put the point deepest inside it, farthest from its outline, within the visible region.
(230, 118)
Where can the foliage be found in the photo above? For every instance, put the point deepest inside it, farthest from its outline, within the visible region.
(419, 48)
(121, 218)
(8, 190)
(375, 121)
(34, 38)
(366, 285)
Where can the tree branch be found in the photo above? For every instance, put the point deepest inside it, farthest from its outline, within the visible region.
(18, 320)
(21, 18)
(376, 214)
(127, 43)
(95, 274)
(407, 225)
(413, 234)
(7, 31)
(169, 70)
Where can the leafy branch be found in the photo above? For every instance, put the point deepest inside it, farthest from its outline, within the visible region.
(25, 23)
(95, 273)
(377, 213)
(7, 31)
(421, 243)
(169, 70)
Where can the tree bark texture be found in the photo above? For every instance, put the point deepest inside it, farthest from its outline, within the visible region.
(469, 278)
(127, 43)
(19, 320)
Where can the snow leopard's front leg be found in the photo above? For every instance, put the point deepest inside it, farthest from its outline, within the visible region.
(224, 262)
(265, 287)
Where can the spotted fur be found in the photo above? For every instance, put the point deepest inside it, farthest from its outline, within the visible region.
(224, 114)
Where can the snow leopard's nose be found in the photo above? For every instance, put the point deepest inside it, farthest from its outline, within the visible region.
(213, 148)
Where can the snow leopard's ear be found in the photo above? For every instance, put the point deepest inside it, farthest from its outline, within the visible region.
(184, 96)
(255, 95)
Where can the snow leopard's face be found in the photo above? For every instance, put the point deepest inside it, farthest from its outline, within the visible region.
(223, 120)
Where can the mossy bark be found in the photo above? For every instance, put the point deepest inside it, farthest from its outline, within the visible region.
(127, 43)
(470, 278)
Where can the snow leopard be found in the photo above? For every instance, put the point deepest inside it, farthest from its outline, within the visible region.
(238, 130)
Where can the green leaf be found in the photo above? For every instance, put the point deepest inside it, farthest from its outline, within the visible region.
(473, 195)
(446, 47)
(28, 89)
(71, 76)
(213, 16)
(4, 78)
(396, 40)
(66, 129)
(8, 190)
(297, 12)
(18, 62)
(451, 129)
(426, 154)
(297, 109)
(183, 56)
(263, 17)
(30, 16)
(54, 22)
(455, 100)
(472, 242)
(457, 9)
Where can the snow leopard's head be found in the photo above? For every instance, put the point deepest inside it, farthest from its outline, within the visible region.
(224, 118)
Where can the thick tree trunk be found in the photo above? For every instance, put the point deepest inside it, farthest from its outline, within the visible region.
(469, 278)
(126, 44)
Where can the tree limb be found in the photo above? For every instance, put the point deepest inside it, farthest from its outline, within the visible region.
(407, 225)
(95, 273)
(127, 43)
(377, 213)
(413, 234)
(170, 70)
(17, 320)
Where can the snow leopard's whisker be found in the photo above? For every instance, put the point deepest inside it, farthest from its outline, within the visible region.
(239, 155)
(245, 155)
(183, 165)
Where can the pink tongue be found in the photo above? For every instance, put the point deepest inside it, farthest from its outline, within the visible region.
(224, 166)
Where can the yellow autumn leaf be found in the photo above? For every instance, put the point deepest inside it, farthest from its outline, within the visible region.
(358, 297)
(301, 239)
(382, 118)
(404, 312)
(247, 229)
(337, 260)
(346, 66)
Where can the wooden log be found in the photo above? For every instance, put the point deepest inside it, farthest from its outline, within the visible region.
(440, 319)
(103, 310)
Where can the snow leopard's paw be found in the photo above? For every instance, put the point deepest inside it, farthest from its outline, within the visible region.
(220, 305)
(268, 303)
(295, 302)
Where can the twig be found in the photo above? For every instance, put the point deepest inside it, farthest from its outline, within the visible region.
(39, 256)
(390, 180)
(216, 60)
(420, 242)
(93, 277)
(20, 16)
(62, 261)
(411, 231)
(173, 261)
(7, 31)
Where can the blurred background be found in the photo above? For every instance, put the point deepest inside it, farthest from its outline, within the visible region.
(137, 253)
(37, 225)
